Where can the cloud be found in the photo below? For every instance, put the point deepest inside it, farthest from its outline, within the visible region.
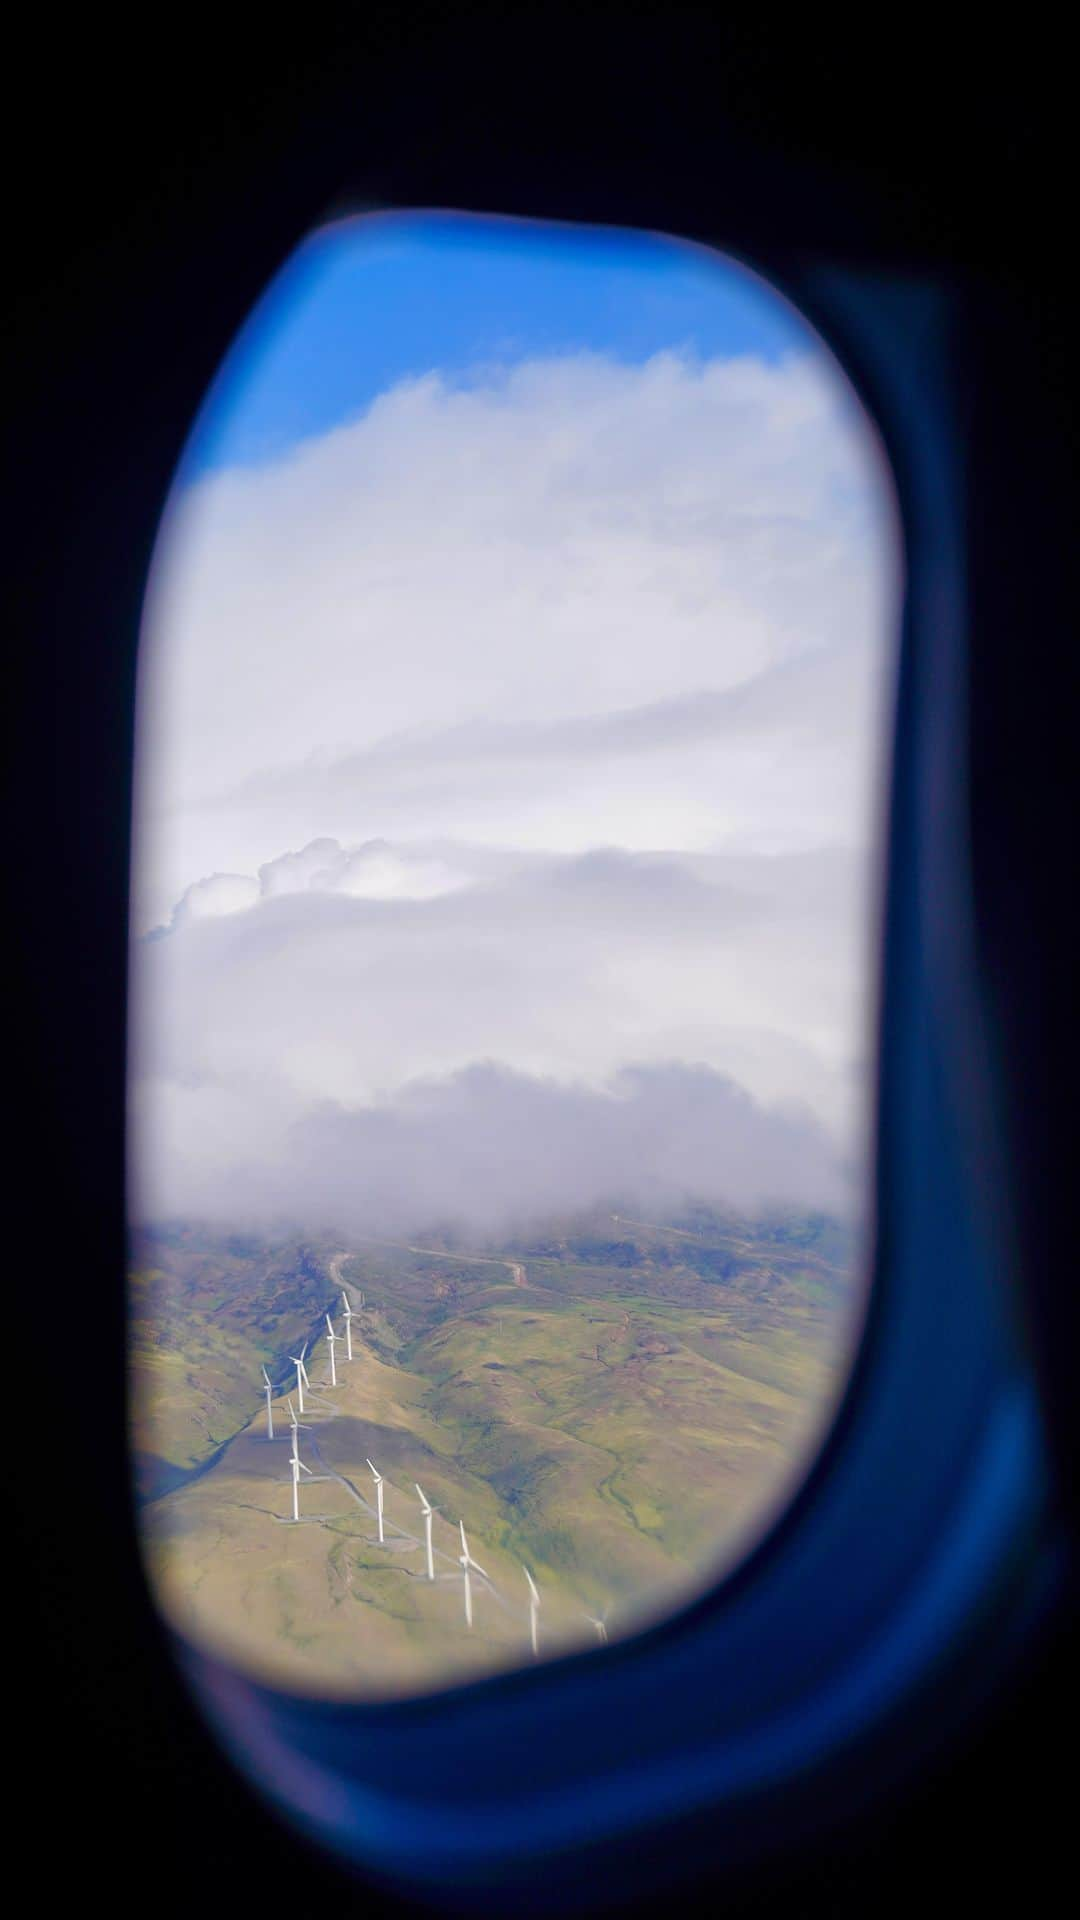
(562, 969)
(576, 603)
(372, 872)
(218, 893)
(506, 785)
(565, 965)
(795, 723)
(487, 1150)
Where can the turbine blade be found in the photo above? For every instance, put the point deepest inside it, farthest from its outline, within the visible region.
(532, 1584)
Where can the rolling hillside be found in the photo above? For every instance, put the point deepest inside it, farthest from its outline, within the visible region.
(619, 1405)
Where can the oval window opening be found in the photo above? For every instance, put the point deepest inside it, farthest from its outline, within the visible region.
(512, 714)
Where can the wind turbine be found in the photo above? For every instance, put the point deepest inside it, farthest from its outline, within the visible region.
(295, 1423)
(298, 1468)
(348, 1325)
(468, 1566)
(598, 1621)
(269, 1406)
(295, 1455)
(332, 1339)
(378, 1479)
(534, 1611)
(427, 1510)
(301, 1373)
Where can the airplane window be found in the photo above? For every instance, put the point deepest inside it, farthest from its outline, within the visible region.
(513, 698)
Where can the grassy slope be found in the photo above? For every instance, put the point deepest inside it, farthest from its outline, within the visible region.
(622, 1422)
(205, 1313)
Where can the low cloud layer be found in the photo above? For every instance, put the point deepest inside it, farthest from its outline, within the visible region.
(487, 1151)
(304, 1006)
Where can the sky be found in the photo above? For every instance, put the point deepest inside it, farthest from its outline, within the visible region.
(346, 322)
(513, 679)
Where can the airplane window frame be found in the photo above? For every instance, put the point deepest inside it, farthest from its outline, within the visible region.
(807, 1684)
(145, 220)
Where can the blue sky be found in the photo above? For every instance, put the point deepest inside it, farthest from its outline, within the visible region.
(367, 303)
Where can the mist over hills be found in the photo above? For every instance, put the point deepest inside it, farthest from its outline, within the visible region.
(488, 1151)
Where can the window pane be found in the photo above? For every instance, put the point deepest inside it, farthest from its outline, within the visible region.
(511, 726)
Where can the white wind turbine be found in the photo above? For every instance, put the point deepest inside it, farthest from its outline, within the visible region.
(269, 1406)
(298, 1468)
(348, 1325)
(378, 1479)
(297, 1464)
(427, 1510)
(534, 1611)
(468, 1566)
(296, 1424)
(599, 1622)
(332, 1339)
(301, 1373)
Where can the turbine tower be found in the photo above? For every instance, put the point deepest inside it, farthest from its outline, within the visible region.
(269, 1406)
(597, 1621)
(348, 1325)
(427, 1510)
(469, 1566)
(378, 1479)
(332, 1339)
(534, 1612)
(301, 1373)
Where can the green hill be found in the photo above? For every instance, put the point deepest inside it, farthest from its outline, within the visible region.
(618, 1404)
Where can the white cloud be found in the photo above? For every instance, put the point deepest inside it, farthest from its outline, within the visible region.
(486, 1150)
(563, 969)
(219, 893)
(534, 725)
(372, 872)
(547, 554)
